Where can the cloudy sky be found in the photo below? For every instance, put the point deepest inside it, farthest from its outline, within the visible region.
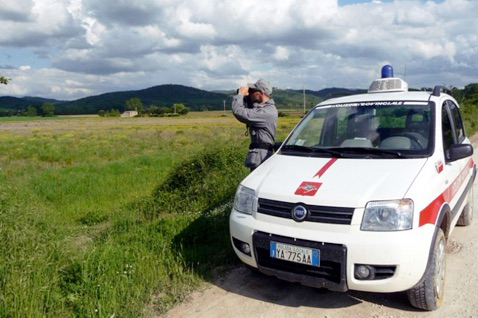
(67, 49)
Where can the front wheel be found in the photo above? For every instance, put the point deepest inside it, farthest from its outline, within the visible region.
(428, 295)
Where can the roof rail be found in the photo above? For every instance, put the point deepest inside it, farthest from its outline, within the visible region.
(439, 88)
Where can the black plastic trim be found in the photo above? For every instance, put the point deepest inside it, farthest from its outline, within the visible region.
(316, 213)
(332, 271)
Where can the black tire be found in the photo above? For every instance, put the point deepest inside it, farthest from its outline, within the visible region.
(428, 294)
(466, 217)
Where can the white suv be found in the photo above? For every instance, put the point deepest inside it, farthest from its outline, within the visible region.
(362, 195)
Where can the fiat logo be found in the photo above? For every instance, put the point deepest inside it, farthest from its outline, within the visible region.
(299, 213)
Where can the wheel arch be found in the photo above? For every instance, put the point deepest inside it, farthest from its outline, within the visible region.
(443, 223)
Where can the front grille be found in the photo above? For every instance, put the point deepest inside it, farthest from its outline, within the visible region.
(317, 213)
(330, 274)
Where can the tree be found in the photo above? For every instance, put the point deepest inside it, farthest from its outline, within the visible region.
(153, 111)
(48, 110)
(178, 108)
(101, 113)
(4, 80)
(134, 104)
(184, 111)
(113, 113)
(31, 111)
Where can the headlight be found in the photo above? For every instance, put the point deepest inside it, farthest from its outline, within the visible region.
(394, 215)
(245, 200)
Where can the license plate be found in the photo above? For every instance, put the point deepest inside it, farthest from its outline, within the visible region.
(296, 254)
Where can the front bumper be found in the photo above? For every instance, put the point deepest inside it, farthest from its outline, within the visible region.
(341, 248)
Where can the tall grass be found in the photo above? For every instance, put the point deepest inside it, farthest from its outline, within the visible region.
(114, 219)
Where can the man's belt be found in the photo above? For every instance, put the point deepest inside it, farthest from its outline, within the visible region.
(256, 145)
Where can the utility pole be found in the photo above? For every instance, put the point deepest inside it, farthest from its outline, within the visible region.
(224, 107)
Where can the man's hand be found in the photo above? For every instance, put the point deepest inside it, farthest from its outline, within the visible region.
(243, 91)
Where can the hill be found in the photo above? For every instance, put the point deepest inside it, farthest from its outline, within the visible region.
(166, 96)
(161, 96)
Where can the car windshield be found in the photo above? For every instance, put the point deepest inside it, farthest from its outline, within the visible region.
(372, 129)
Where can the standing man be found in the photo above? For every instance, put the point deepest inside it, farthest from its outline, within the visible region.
(261, 120)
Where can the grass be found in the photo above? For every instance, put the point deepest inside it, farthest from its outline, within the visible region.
(102, 217)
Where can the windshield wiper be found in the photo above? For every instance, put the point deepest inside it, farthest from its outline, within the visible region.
(375, 151)
(333, 152)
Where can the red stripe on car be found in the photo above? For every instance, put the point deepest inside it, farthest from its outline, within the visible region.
(325, 167)
(429, 215)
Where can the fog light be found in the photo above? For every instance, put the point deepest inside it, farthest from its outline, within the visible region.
(243, 247)
(363, 272)
(246, 248)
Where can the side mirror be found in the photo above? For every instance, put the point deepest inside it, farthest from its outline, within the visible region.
(277, 145)
(459, 151)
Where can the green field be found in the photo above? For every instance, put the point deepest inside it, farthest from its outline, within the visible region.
(115, 217)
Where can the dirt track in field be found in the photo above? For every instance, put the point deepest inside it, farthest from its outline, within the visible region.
(241, 293)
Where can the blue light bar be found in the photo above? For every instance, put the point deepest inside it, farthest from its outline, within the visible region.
(387, 71)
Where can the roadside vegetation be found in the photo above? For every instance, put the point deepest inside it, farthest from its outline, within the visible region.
(108, 217)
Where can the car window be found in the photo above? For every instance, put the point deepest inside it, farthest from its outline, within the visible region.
(398, 126)
(458, 123)
(446, 129)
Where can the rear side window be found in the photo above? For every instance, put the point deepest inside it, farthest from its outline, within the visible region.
(458, 123)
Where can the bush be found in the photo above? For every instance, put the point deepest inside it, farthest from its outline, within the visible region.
(282, 114)
(201, 183)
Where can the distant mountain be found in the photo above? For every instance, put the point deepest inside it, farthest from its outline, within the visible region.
(162, 96)
(42, 100)
(166, 96)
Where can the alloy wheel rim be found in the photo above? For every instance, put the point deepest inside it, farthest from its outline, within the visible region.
(440, 265)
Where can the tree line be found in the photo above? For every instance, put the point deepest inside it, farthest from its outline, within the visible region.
(135, 104)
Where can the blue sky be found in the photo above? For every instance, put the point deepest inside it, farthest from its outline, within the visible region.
(68, 49)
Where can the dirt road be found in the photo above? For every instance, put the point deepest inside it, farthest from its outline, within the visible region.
(244, 294)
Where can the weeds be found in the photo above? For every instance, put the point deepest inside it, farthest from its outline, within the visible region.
(100, 217)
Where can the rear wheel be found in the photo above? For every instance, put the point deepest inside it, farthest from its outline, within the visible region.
(466, 216)
(428, 295)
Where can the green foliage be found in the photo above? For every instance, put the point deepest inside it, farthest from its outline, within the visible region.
(471, 89)
(4, 80)
(79, 238)
(282, 114)
(208, 179)
(48, 110)
(178, 108)
(101, 113)
(31, 111)
(134, 104)
(113, 113)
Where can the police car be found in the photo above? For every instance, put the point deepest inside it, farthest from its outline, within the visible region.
(362, 195)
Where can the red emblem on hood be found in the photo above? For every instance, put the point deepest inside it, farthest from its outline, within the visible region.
(308, 188)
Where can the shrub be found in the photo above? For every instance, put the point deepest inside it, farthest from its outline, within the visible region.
(199, 184)
(282, 114)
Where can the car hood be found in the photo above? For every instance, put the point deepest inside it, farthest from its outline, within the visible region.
(345, 182)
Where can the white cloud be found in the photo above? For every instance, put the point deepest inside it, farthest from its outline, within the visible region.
(110, 45)
(281, 53)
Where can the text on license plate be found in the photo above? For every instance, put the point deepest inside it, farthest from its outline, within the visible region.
(297, 254)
